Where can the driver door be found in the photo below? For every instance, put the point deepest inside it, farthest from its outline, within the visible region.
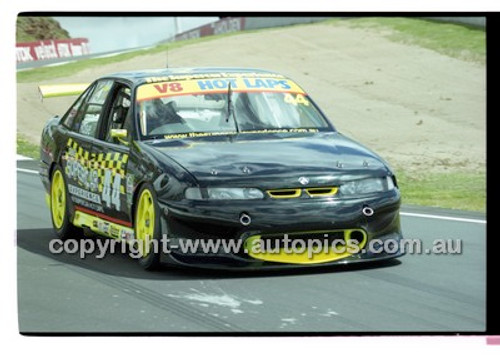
(111, 160)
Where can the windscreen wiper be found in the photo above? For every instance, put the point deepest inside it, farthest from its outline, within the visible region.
(230, 108)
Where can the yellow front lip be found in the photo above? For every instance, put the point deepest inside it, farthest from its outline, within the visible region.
(315, 257)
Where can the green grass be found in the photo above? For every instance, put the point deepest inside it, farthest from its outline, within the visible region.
(46, 73)
(27, 149)
(458, 41)
(456, 190)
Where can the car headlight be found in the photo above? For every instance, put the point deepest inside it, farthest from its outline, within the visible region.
(367, 186)
(224, 193)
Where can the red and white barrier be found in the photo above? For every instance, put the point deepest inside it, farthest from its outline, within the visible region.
(51, 49)
(225, 25)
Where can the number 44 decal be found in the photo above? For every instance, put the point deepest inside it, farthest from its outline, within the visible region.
(111, 194)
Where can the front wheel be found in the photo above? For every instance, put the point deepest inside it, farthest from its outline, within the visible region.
(59, 207)
(147, 228)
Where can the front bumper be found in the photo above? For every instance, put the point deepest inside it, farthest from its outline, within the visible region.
(206, 220)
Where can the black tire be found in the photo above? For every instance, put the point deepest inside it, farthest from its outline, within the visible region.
(152, 260)
(66, 230)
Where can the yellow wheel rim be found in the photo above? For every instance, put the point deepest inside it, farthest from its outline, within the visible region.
(145, 222)
(58, 199)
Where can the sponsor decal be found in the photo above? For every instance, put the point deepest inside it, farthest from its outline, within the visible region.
(203, 86)
(77, 169)
(129, 187)
(247, 83)
(126, 234)
(114, 232)
(87, 204)
(51, 49)
(194, 76)
(84, 194)
(99, 175)
(262, 131)
(103, 226)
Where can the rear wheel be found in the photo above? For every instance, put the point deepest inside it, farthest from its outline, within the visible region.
(147, 228)
(59, 207)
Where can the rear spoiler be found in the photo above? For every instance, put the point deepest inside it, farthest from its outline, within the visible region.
(47, 91)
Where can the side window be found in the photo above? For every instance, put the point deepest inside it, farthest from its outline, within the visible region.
(118, 113)
(88, 117)
(69, 118)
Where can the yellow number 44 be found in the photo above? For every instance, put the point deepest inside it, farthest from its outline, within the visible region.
(297, 100)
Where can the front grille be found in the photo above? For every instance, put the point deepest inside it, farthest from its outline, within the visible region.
(326, 191)
(322, 191)
(285, 193)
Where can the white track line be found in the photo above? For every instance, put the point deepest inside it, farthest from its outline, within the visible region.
(446, 218)
(419, 215)
(58, 63)
(27, 171)
(22, 157)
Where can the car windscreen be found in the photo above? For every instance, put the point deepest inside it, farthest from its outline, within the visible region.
(225, 106)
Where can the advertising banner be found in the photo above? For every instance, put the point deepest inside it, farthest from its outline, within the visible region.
(51, 49)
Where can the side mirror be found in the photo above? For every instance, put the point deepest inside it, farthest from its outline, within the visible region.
(120, 135)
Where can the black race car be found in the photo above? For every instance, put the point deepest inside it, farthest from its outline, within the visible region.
(216, 167)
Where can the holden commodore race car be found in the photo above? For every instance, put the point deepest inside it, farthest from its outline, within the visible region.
(211, 155)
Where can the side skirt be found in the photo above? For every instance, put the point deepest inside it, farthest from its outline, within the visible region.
(101, 226)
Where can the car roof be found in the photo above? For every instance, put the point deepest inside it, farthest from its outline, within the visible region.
(138, 77)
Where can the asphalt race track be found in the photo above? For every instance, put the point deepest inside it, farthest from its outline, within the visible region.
(63, 293)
